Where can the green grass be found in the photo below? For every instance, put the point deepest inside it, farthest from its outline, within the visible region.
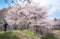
(49, 36)
(57, 33)
(16, 34)
(29, 33)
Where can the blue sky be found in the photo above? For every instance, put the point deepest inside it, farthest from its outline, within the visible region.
(52, 6)
(2, 4)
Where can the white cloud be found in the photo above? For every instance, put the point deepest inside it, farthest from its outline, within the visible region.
(54, 3)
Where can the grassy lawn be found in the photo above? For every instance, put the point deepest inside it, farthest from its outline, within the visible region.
(16, 34)
(57, 33)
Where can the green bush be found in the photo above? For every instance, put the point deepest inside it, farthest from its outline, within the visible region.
(49, 36)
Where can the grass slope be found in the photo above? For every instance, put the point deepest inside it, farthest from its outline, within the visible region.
(15, 34)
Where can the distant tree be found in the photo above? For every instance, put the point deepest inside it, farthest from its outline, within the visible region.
(5, 26)
(55, 19)
(56, 24)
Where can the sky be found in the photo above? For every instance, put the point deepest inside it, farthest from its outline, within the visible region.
(2, 4)
(52, 6)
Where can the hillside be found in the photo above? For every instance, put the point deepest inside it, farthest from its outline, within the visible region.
(18, 35)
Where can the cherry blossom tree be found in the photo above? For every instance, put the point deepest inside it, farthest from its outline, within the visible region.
(29, 16)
